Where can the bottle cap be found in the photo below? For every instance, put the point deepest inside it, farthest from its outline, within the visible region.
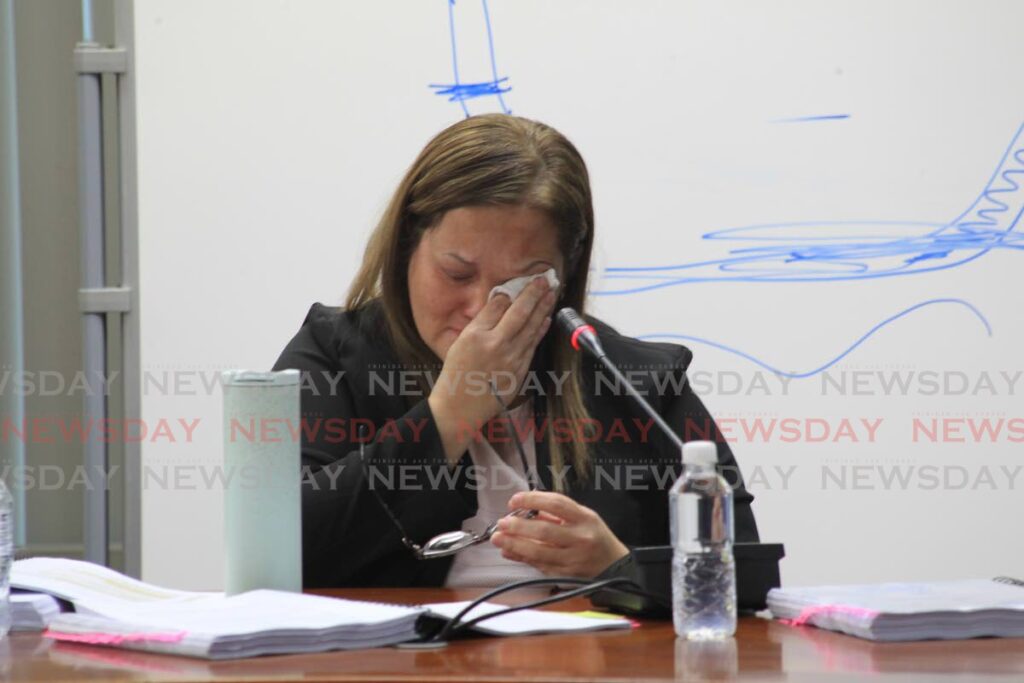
(701, 453)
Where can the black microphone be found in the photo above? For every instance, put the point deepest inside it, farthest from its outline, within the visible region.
(582, 333)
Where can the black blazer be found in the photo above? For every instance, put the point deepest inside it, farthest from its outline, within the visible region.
(351, 376)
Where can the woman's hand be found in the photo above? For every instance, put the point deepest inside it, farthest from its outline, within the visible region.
(497, 344)
(565, 539)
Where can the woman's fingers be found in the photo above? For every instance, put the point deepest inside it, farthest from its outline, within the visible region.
(521, 347)
(530, 551)
(565, 535)
(555, 504)
(540, 530)
(509, 555)
(501, 339)
(491, 314)
(545, 517)
(544, 327)
(540, 318)
(548, 569)
(522, 310)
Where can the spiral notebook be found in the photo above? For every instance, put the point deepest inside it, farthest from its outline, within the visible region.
(115, 610)
(943, 610)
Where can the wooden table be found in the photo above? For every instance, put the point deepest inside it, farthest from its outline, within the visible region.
(761, 649)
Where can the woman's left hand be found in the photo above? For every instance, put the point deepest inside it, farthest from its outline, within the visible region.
(564, 539)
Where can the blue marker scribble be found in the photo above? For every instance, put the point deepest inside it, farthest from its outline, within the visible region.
(833, 361)
(468, 91)
(461, 92)
(822, 117)
(834, 250)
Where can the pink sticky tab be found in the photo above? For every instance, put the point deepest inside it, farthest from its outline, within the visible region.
(115, 638)
(826, 610)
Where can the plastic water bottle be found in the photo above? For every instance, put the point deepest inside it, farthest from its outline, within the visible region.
(703, 570)
(6, 556)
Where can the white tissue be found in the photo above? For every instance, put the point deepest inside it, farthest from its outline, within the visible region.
(515, 286)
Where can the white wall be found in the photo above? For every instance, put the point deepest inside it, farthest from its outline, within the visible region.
(270, 134)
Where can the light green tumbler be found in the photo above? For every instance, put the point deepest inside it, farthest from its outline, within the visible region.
(262, 498)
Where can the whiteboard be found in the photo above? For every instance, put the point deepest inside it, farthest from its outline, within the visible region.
(821, 199)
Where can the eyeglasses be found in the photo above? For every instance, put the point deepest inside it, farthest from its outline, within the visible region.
(451, 542)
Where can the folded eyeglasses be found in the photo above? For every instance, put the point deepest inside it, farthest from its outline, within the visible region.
(452, 542)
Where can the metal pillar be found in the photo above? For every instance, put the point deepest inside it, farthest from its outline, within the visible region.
(96, 300)
(12, 356)
(131, 371)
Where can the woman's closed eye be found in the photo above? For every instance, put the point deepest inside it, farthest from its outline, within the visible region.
(458, 276)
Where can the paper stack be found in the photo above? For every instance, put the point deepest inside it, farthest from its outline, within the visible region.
(908, 611)
(254, 623)
(32, 611)
(115, 610)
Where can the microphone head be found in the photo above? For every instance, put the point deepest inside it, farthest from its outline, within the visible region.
(570, 320)
(580, 331)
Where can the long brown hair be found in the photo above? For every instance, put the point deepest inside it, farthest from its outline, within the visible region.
(494, 159)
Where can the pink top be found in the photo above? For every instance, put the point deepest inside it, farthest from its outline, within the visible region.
(500, 474)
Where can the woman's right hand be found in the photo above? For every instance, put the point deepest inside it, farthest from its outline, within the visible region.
(497, 344)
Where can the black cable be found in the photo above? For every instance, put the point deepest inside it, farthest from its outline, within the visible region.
(452, 626)
(525, 583)
(582, 590)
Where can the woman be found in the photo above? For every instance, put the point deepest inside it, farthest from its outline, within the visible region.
(402, 441)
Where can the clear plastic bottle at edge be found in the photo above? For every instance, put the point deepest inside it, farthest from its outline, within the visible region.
(703, 569)
(6, 556)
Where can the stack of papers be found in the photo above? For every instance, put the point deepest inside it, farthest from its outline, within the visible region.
(254, 623)
(32, 611)
(91, 588)
(115, 610)
(908, 611)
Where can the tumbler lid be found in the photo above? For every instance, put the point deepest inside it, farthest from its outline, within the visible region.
(249, 378)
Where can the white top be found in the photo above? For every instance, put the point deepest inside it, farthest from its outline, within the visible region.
(700, 453)
(500, 474)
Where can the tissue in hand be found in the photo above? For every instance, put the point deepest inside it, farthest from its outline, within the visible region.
(515, 286)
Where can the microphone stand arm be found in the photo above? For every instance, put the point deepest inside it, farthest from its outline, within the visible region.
(631, 390)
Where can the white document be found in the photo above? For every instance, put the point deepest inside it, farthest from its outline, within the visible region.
(91, 587)
(525, 622)
(115, 610)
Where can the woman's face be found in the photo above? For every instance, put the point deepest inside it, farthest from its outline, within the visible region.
(471, 250)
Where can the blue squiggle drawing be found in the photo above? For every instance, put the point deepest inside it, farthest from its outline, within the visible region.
(833, 361)
(820, 117)
(835, 250)
(462, 92)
